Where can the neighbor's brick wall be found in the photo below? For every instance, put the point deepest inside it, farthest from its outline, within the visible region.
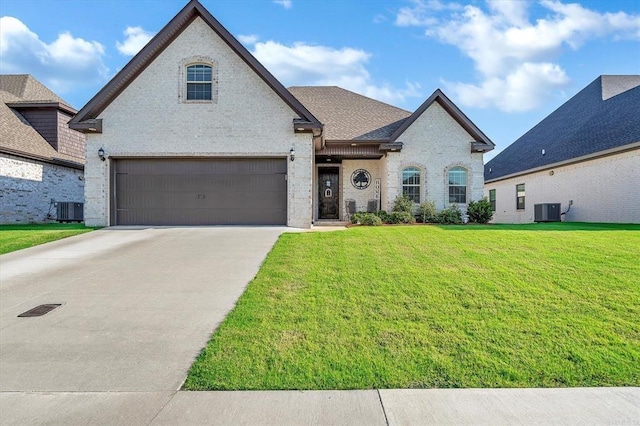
(603, 190)
(434, 143)
(27, 187)
(149, 119)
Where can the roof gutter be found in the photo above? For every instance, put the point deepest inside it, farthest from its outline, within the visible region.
(50, 160)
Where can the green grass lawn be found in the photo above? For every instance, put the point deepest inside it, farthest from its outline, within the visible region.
(17, 237)
(436, 307)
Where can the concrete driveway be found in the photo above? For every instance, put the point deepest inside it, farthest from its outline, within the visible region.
(138, 305)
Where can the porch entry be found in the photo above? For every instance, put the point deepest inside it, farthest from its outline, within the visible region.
(328, 193)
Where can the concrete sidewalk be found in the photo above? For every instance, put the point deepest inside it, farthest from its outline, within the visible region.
(573, 406)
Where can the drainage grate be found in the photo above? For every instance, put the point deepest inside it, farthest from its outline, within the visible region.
(39, 311)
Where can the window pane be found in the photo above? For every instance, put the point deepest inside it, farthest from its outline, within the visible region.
(199, 73)
(199, 91)
(411, 183)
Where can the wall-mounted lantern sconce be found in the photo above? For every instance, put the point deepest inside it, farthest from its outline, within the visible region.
(292, 154)
(101, 154)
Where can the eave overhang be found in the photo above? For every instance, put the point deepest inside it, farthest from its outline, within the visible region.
(46, 105)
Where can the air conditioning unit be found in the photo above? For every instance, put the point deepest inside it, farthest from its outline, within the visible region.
(549, 212)
(69, 211)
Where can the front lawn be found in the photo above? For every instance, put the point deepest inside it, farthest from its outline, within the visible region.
(17, 237)
(427, 307)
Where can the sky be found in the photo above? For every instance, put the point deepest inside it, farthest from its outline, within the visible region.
(506, 63)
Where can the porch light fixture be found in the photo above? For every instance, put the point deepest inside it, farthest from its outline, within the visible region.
(292, 154)
(101, 154)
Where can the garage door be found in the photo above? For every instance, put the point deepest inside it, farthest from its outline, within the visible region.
(200, 192)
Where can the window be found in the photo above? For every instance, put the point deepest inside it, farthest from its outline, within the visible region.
(492, 199)
(520, 196)
(199, 81)
(411, 183)
(458, 185)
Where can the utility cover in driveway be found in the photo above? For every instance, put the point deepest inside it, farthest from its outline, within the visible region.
(167, 191)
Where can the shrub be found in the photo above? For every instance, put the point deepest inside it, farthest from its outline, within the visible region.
(383, 215)
(480, 211)
(402, 203)
(427, 212)
(370, 219)
(452, 215)
(364, 218)
(401, 217)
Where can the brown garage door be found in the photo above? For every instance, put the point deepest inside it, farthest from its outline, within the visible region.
(200, 192)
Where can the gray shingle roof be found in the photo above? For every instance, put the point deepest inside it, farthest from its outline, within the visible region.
(26, 88)
(603, 116)
(349, 116)
(17, 136)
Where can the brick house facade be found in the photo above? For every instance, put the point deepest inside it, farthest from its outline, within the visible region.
(250, 151)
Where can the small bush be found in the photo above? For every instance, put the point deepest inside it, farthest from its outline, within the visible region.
(426, 212)
(403, 203)
(383, 215)
(401, 217)
(364, 218)
(452, 215)
(480, 211)
(370, 219)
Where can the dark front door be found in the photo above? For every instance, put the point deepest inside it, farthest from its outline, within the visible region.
(328, 189)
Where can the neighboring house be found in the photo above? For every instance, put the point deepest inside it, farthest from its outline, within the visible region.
(41, 159)
(584, 156)
(195, 130)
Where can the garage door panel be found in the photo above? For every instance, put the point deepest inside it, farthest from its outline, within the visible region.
(201, 192)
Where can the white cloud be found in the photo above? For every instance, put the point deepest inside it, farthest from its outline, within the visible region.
(304, 64)
(517, 59)
(66, 63)
(248, 39)
(523, 89)
(287, 4)
(422, 13)
(135, 39)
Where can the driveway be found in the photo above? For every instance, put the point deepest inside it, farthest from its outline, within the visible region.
(138, 305)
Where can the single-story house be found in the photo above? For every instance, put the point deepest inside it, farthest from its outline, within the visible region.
(41, 158)
(583, 160)
(194, 130)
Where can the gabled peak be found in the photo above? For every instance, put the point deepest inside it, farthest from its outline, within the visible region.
(613, 85)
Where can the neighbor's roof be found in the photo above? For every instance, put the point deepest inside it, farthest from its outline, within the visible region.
(159, 43)
(17, 136)
(604, 116)
(27, 89)
(349, 116)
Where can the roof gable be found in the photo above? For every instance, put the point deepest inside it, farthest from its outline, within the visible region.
(603, 116)
(482, 142)
(158, 44)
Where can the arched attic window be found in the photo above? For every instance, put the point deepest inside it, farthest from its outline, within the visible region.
(199, 82)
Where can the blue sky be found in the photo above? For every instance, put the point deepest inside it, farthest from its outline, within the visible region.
(506, 63)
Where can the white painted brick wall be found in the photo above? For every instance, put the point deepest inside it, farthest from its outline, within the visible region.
(27, 187)
(249, 119)
(434, 143)
(602, 190)
(361, 196)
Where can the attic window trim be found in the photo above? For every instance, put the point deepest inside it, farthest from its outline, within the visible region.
(183, 92)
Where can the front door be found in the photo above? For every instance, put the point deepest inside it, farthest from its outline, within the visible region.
(328, 189)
